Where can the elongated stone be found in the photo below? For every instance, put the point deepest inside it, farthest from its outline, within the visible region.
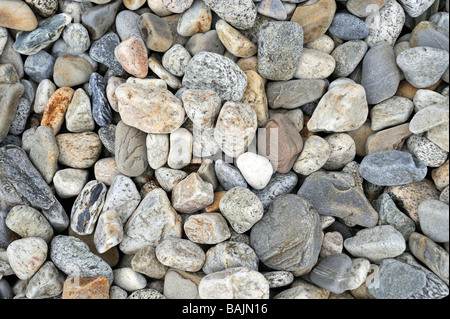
(73, 257)
(101, 111)
(48, 31)
(294, 93)
(337, 194)
(56, 108)
(17, 173)
(87, 207)
(430, 117)
(158, 146)
(17, 16)
(236, 43)
(9, 99)
(108, 232)
(44, 152)
(102, 51)
(98, 19)
(278, 185)
(180, 153)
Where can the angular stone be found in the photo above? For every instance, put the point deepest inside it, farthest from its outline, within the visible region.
(29, 222)
(48, 31)
(389, 139)
(337, 194)
(380, 73)
(153, 221)
(376, 243)
(238, 13)
(102, 51)
(280, 46)
(21, 183)
(347, 102)
(180, 253)
(294, 93)
(56, 108)
(46, 283)
(227, 284)
(26, 256)
(149, 109)
(289, 235)
(207, 228)
(206, 70)
(79, 150)
(130, 150)
(98, 19)
(358, 273)
(192, 194)
(108, 232)
(86, 288)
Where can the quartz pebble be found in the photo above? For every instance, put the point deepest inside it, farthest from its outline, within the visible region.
(181, 254)
(26, 256)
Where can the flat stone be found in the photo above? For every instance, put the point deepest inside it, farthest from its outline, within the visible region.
(423, 66)
(391, 215)
(96, 287)
(79, 150)
(146, 263)
(426, 151)
(385, 24)
(149, 109)
(426, 34)
(55, 110)
(294, 93)
(11, 10)
(279, 184)
(228, 175)
(424, 98)
(22, 184)
(282, 132)
(271, 240)
(153, 221)
(240, 14)
(44, 153)
(230, 254)
(226, 284)
(349, 101)
(48, 31)
(332, 273)
(29, 222)
(192, 194)
(347, 56)
(155, 64)
(69, 182)
(130, 150)
(315, 18)
(314, 155)
(46, 283)
(348, 27)
(389, 139)
(102, 51)
(393, 111)
(376, 243)
(79, 114)
(26, 256)
(280, 46)
(433, 220)
(97, 19)
(180, 253)
(40, 66)
(380, 73)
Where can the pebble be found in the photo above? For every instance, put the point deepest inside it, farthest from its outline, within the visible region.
(181, 254)
(342, 151)
(79, 150)
(423, 66)
(301, 289)
(358, 273)
(207, 228)
(40, 66)
(294, 93)
(79, 114)
(376, 243)
(131, 53)
(389, 139)
(77, 37)
(46, 283)
(176, 59)
(133, 4)
(180, 152)
(433, 220)
(11, 10)
(337, 194)
(279, 184)
(349, 101)
(315, 18)
(146, 263)
(228, 175)
(332, 243)
(69, 182)
(130, 150)
(255, 96)
(347, 56)
(280, 46)
(195, 19)
(415, 9)
(385, 24)
(126, 24)
(440, 176)
(234, 41)
(105, 170)
(396, 280)
(288, 214)
(101, 112)
(108, 232)
(56, 108)
(348, 27)
(426, 151)
(96, 287)
(314, 155)
(229, 254)
(314, 64)
(44, 152)
(26, 256)
(146, 293)
(48, 31)
(391, 215)
(205, 42)
(391, 168)
(239, 13)
(153, 221)
(192, 194)
(226, 284)
(29, 222)
(332, 273)
(380, 73)
(3, 38)
(426, 34)
(279, 279)
(10, 96)
(71, 71)
(181, 284)
(44, 91)
(393, 111)
(98, 19)
(157, 149)
(128, 279)
(256, 169)
(155, 32)
(439, 136)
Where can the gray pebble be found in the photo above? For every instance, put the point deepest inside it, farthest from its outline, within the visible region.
(39, 66)
(46, 283)
(279, 279)
(130, 150)
(434, 220)
(426, 151)
(127, 24)
(279, 184)
(228, 175)
(102, 51)
(348, 27)
(332, 273)
(29, 222)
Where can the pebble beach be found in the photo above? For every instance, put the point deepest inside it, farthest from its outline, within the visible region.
(224, 149)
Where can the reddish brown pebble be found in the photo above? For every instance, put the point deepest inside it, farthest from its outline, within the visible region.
(132, 56)
(56, 108)
(86, 288)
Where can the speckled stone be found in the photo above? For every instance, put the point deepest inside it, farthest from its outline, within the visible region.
(240, 14)
(280, 47)
(288, 214)
(301, 289)
(26, 256)
(342, 151)
(348, 27)
(347, 56)
(102, 51)
(47, 282)
(79, 150)
(146, 293)
(279, 184)
(226, 284)
(338, 194)
(176, 59)
(279, 279)
(332, 243)
(440, 176)
(426, 151)
(20, 119)
(101, 111)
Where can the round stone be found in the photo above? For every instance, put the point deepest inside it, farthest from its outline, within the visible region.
(17, 16)
(314, 64)
(29, 222)
(69, 182)
(207, 228)
(26, 256)
(180, 253)
(39, 66)
(79, 150)
(131, 53)
(176, 59)
(77, 37)
(128, 279)
(256, 169)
